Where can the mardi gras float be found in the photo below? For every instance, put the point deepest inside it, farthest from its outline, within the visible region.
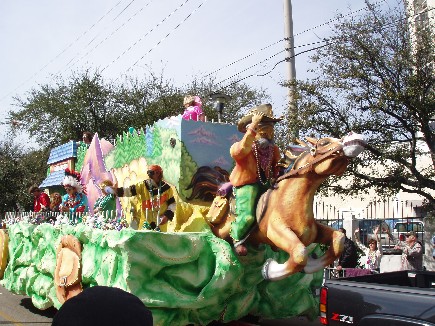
(185, 272)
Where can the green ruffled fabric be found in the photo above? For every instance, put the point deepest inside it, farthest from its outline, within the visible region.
(184, 278)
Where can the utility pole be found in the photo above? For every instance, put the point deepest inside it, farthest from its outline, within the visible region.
(290, 59)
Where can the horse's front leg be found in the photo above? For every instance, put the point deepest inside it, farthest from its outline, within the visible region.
(284, 238)
(335, 240)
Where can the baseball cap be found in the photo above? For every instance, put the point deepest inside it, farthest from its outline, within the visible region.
(411, 233)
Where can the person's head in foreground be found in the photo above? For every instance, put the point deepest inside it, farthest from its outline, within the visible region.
(102, 305)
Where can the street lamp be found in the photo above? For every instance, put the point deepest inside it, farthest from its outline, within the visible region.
(220, 100)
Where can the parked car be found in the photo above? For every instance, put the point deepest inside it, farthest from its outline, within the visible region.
(336, 224)
(401, 228)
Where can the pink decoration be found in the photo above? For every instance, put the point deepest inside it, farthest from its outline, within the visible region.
(194, 112)
(94, 170)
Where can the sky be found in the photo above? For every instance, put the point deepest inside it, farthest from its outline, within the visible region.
(225, 39)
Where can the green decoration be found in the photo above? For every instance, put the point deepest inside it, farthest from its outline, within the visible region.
(157, 143)
(188, 169)
(81, 153)
(184, 278)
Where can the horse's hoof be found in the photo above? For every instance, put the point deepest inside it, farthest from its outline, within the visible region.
(241, 250)
(265, 269)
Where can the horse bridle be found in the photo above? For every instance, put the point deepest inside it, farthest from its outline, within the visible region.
(308, 167)
(313, 151)
(304, 168)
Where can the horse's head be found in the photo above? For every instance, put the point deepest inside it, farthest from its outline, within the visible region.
(326, 156)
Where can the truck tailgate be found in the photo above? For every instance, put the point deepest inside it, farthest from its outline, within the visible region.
(349, 301)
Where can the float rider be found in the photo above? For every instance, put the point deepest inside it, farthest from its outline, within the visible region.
(156, 198)
(256, 157)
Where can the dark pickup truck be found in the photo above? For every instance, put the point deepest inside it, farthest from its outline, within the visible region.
(397, 298)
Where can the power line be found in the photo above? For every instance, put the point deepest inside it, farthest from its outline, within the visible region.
(309, 50)
(286, 59)
(245, 57)
(285, 39)
(166, 36)
(122, 11)
(270, 57)
(146, 34)
(63, 51)
(109, 36)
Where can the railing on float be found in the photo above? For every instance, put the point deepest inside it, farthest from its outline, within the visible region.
(70, 218)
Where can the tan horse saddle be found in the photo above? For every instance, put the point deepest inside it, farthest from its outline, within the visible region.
(67, 275)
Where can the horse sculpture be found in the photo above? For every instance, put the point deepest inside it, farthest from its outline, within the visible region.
(285, 212)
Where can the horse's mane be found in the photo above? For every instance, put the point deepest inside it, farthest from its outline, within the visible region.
(206, 182)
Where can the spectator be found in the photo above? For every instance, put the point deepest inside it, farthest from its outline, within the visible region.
(372, 252)
(157, 198)
(349, 257)
(102, 305)
(193, 108)
(412, 252)
(55, 201)
(74, 201)
(41, 201)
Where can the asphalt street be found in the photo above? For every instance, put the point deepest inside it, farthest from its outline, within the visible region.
(19, 310)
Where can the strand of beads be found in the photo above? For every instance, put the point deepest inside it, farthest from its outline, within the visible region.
(268, 167)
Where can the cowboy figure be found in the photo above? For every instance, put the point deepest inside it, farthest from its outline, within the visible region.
(256, 157)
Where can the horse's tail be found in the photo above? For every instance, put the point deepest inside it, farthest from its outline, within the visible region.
(206, 182)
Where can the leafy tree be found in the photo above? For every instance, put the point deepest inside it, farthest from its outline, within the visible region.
(242, 98)
(54, 114)
(376, 77)
(143, 102)
(18, 171)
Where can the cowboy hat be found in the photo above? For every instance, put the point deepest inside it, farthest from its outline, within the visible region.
(67, 274)
(266, 109)
(411, 233)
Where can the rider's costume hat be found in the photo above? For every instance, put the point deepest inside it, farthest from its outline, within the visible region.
(72, 178)
(155, 168)
(266, 109)
(189, 99)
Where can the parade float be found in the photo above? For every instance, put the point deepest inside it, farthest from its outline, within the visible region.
(185, 273)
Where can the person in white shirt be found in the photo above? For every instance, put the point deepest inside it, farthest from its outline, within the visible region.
(412, 252)
(373, 252)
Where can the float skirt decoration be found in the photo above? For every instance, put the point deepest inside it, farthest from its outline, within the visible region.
(184, 278)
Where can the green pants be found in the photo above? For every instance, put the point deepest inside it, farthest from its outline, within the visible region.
(246, 199)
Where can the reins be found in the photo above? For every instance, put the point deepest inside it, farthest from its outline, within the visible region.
(313, 151)
(305, 168)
